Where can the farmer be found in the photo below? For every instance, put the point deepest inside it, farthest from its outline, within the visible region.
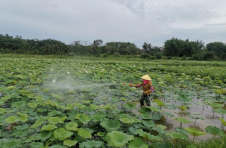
(147, 89)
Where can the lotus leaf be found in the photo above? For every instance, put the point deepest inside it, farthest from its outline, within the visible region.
(214, 131)
(81, 106)
(220, 110)
(48, 127)
(6, 98)
(110, 125)
(142, 133)
(130, 106)
(91, 144)
(132, 130)
(93, 106)
(216, 105)
(2, 111)
(153, 108)
(223, 121)
(56, 96)
(12, 119)
(43, 136)
(14, 143)
(175, 135)
(22, 127)
(183, 108)
(54, 120)
(84, 133)
(148, 123)
(138, 143)
(83, 118)
(18, 133)
(23, 119)
(19, 104)
(183, 120)
(118, 139)
(145, 116)
(54, 113)
(36, 144)
(159, 102)
(71, 126)
(38, 122)
(39, 98)
(144, 110)
(58, 146)
(195, 132)
(98, 117)
(62, 134)
(69, 142)
(161, 126)
(153, 138)
(126, 120)
(100, 134)
(86, 101)
(33, 105)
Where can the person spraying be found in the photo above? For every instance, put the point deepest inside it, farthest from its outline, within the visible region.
(147, 88)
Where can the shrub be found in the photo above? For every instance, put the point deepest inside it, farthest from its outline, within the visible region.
(158, 55)
(183, 58)
(208, 56)
(169, 57)
(198, 56)
(145, 56)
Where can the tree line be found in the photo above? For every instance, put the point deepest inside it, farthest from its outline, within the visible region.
(173, 47)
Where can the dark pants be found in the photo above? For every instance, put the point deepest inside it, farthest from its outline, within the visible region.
(146, 99)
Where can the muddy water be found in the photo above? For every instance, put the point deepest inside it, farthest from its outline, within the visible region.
(205, 111)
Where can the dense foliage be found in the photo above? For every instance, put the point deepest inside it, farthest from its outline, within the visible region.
(70, 102)
(173, 47)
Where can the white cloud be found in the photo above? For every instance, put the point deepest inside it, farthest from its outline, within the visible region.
(136, 21)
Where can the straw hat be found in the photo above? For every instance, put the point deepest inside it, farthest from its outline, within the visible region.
(146, 77)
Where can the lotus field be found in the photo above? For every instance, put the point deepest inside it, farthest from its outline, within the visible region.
(73, 102)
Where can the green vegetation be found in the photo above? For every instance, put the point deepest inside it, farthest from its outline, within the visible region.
(56, 101)
(172, 48)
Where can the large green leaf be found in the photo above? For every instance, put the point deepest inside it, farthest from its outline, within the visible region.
(32, 105)
(175, 135)
(110, 125)
(148, 123)
(43, 136)
(84, 133)
(118, 139)
(214, 131)
(183, 120)
(38, 122)
(12, 119)
(48, 127)
(131, 105)
(83, 118)
(71, 126)
(195, 132)
(62, 134)
(126, 120)
(36, 144)
(13, 143)
(54, 120)
(223, 121)
(98, 117)
(2, 111)
(138, 143)
(159, 102)
(69, 142)
(91, 144)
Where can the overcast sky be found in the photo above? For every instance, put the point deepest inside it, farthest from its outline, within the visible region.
(136, 21)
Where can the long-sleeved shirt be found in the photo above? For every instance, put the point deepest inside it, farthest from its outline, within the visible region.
(147, 88)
